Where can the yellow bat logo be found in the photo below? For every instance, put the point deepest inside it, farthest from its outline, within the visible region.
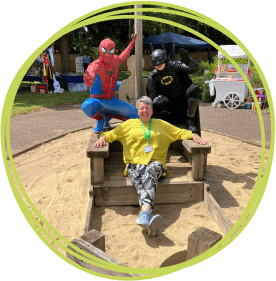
(166, 80)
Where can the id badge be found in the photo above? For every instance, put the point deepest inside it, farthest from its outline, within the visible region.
(148, 148)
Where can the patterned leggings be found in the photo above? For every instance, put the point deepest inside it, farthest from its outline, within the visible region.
(145, 179)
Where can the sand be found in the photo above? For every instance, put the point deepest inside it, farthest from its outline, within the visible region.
(56, 177)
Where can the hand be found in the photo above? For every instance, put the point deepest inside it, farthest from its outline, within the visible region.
(100, 142)
(198, 139)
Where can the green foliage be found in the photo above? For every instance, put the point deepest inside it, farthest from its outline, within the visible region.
(123, 75)
(205, 65)
(238, 61)
(205, 93)
(95, 50)
(255, 79)
(199, 80)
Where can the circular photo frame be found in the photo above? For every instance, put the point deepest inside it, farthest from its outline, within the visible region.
(164, 14)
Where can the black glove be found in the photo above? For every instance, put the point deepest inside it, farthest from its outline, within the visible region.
(160, 103)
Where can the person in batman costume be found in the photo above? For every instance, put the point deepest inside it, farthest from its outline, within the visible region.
(175, 97)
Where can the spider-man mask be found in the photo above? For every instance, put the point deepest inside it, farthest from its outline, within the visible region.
(107, 51)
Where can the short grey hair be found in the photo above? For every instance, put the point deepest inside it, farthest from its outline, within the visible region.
(145, 99)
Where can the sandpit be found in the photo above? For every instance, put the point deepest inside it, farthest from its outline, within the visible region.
(56, 177)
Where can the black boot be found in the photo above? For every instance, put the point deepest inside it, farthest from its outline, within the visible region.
(191, 125)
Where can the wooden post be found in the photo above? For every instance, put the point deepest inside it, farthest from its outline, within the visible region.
(94, 251)
(138, 54)
(199, 166)
(196, 154)
(200, 241)
(95, 238)
(96, 156)
(98, 170)
(80, 36)
(89, 215)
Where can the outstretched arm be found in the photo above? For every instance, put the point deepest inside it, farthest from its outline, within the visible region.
(124, 55)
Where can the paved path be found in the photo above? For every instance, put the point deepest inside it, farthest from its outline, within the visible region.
(32, 129)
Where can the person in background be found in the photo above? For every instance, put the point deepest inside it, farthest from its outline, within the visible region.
(175, 97)
(86, 61)
(145, 145)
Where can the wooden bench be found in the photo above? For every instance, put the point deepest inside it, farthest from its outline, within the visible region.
(110, 187)
(195, 153)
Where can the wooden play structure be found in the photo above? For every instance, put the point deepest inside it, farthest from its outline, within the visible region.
(108, 187)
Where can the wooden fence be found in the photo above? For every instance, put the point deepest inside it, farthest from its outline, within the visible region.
(198, 56)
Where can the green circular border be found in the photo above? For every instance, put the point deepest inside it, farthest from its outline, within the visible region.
(50, 232)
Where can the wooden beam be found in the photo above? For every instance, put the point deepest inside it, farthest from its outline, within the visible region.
(200, 241)
(120, 194)
(199, 166)
(92, 152)
(196, 154)
(197, 148)
(95, 238)
(89, 215)
(218, 215)
(138, 54)
(92, 250)
(98, 164)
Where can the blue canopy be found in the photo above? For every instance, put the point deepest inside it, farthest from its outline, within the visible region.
(176, 40)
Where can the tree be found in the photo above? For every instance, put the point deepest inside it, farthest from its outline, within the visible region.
(120, 31)
(64, 53)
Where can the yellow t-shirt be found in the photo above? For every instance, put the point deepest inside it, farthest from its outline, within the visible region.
(131, 135)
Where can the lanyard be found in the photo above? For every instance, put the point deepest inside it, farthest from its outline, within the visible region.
(146, 135)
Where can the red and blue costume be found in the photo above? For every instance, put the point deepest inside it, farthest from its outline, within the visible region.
(101, 75)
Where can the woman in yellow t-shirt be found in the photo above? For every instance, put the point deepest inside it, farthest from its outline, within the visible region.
(145, 145)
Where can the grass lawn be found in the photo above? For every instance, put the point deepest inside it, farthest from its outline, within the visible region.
(25, 101)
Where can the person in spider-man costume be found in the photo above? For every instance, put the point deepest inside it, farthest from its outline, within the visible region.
(102, 75)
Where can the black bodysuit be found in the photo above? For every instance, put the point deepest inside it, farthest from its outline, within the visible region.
(172, 83)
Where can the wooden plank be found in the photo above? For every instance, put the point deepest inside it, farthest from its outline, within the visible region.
(92, 250)
(93, 152)
(193, 147)
(198, 162)
(182, 176)
(216, 212)
(186, 154)
(89, 214)
(98, 170)
(166, 193)
(200, 241)
(95, 238)
(199, 166)
(91, 171)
